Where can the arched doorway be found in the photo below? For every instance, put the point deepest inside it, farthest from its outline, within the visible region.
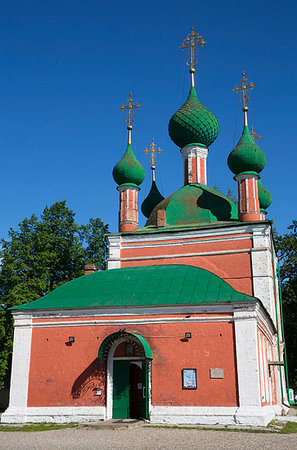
(128, 374)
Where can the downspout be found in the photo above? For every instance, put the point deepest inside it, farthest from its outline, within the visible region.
(283, 333)
(276, 317)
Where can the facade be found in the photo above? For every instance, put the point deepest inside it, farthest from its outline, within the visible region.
(185, 325)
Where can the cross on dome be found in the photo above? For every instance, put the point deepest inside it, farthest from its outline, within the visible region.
(130, 114)
(253, 133)
(153, 150)
(244, 95)
(191, 42)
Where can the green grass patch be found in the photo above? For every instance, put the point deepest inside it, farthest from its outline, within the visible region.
(202, 428)
(290, 427)
(37, 427)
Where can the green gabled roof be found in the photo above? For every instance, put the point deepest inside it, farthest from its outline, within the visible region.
(140, 286)
(195, 203)
(193, 123)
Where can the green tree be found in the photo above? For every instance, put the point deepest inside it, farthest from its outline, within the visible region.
(287, 251)
(39, 256)
(230, 193)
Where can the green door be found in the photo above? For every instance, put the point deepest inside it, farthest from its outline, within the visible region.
(145, 393)
(121, 390)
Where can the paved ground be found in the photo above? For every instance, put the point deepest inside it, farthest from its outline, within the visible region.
(142, 437)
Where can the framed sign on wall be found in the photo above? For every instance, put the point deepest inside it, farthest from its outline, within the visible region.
(189, 377)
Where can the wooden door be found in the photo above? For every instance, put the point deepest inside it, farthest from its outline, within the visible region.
(135, 391)
(121, 390)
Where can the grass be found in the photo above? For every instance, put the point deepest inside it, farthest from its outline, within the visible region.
(37, 427)
(202, 428)
(290, 427)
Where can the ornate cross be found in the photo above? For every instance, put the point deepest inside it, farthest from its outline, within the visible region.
(153, 150)
(253, 133)
(130, 116)
(243, 90)
(192, 41)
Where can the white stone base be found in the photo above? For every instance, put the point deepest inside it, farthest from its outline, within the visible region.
(256, 416)
(196, 415)
(63, 414)
(172, 415)
(193, 415)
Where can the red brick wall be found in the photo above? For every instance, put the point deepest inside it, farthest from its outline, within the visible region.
(64, 375)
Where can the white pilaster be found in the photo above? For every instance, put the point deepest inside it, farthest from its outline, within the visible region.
(262, 268)
(247, 358)
(20, 366)
(114, 251)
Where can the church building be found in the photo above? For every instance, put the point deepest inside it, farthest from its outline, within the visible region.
(184, 326)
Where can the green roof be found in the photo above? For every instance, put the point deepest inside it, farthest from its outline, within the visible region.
(153, 199)
(265, 197)
(193, 123)
(139, 286)
(195, 203)
(246, 156)
(128, 169)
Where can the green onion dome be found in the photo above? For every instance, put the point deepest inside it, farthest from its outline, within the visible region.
(246, 156)
(128, 169)
(265, 197)
(193, 123)
(153, 199)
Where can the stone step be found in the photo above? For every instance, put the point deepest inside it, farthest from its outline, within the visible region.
(113, 424)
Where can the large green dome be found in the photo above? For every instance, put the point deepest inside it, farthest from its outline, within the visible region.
(128, 169)
(246, 156)
(195, 203)
(153, 199)
(193, 123)
(265, 197)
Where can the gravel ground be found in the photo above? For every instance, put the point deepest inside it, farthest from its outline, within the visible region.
(145, 438)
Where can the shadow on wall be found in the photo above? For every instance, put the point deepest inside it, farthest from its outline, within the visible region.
(91, 379)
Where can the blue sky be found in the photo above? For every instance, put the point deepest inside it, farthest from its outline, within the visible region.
(67, 66)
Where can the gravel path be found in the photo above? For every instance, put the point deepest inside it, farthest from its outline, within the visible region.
(145, 438)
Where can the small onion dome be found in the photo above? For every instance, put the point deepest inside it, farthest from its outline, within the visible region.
(265, 198)
(153, 199)
(128, 169)
(193, 123)
(246, 156)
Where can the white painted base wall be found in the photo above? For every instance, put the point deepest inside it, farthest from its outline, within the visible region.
(179, 415)
(61, 414)
(174, 415)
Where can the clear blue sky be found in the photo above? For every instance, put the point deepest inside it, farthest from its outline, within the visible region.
(67, 66)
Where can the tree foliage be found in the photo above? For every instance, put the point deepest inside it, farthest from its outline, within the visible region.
(287, 252)
(39, 256)
(229, 194)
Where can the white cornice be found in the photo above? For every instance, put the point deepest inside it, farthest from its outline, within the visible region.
(260, 229)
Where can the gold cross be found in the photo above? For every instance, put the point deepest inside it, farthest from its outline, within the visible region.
(192, 41)
(130, 116)
(244, 97)
(153, 150)
(253, 133)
